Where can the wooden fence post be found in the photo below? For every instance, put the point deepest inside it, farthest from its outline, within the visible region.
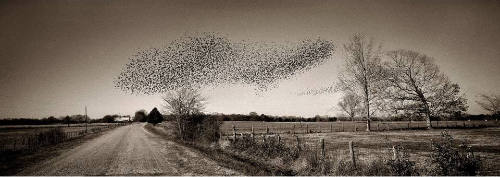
(298, 143)
(293, 129)
(253, 132)
(331, 127)
(307, 128)
(394, 153)
(279, 138)
(355, 127)
(342, 126)
(322, 144)
(408, 125)
(351, 150)
(378, 126)
(267, 129)
(234, 133)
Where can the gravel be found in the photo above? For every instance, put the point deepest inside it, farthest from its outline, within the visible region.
(128, 150)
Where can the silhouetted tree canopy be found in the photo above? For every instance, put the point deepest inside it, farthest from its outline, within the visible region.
(154, 116)
(490, 103)
(140, 116)
(417, 84)
(110, 118)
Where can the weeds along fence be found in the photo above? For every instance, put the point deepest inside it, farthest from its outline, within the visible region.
(229, 128)
(348, 151)
(297, 135)
(34, 141)
(308, 156)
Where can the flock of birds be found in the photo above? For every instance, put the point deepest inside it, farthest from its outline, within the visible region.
(210, 59)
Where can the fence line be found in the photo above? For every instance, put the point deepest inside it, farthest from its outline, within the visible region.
(352, 154)
(327, 127)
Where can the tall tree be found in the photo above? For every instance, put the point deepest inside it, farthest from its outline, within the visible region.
(67, 120)
(415, 80)
(490, 103)
(350, 104)
(154, 117)
(363, 72)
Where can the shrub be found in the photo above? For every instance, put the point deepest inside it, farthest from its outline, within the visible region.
(450, 158)
(315, 164)
(198, 128)
(402, 166)
(377, 167)
(51, 136)
(345, 168)
(268, 149)
(274, 154)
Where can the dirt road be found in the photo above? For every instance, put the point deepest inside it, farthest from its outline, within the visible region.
(128, 150)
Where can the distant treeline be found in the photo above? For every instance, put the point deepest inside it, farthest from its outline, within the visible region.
(74, 119)
(269, 118)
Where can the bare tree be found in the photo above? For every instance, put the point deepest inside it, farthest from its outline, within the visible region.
(490, 103)
(363, 70)
(414, 80)
(350, 104)
(183, 103)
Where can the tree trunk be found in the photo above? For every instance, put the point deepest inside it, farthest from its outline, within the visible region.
(367, 112)
(179, 126)
(426, 108)
(428, 117)
(368, 125)
(422, 98)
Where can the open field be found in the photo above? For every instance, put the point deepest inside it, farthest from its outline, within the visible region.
(20, 137)
(378, 144)
(19, 130)
(342, 126)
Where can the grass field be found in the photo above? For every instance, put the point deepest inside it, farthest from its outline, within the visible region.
(377, 144)
(17, 136)
(342, 126)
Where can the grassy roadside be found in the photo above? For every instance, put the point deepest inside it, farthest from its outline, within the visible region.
(243, 164)
(13, 162)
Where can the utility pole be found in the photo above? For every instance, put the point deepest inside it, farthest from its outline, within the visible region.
(86, 119)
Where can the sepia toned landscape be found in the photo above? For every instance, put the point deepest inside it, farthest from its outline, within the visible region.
(250, 88)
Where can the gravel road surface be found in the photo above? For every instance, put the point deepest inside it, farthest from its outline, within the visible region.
(128, 150)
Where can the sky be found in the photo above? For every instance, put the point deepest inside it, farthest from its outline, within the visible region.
(58, 56)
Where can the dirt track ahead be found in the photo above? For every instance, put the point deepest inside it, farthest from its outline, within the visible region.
(128, 150)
